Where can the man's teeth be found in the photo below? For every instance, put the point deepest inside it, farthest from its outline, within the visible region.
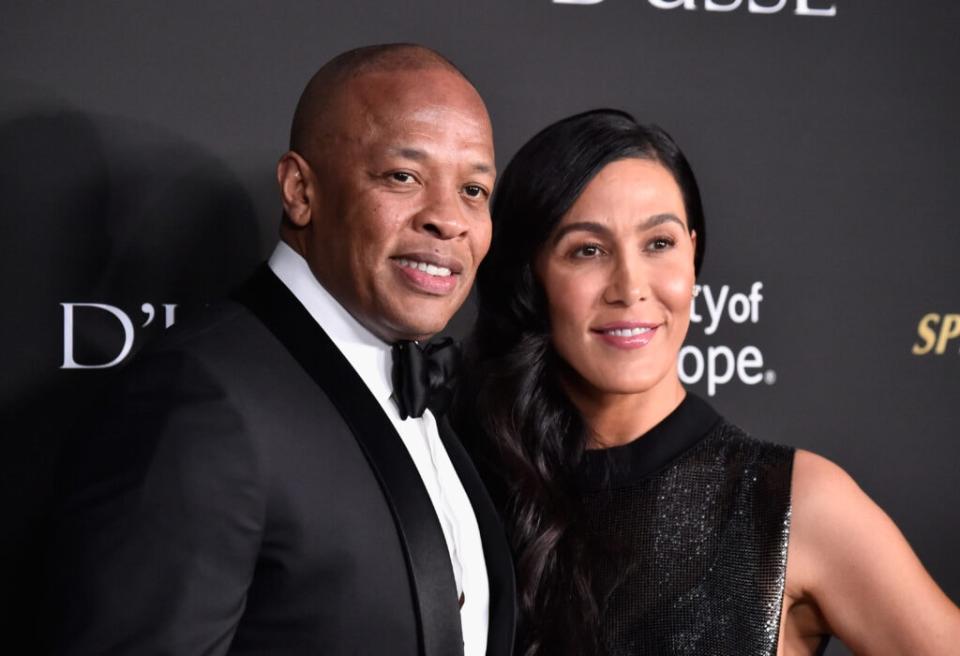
(627, 332)
(429, 269)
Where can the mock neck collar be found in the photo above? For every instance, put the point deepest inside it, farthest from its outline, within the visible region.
(651, 452)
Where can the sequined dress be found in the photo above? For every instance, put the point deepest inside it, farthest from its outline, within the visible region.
(691, 521)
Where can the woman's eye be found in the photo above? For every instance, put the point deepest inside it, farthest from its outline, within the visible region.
(587, 251)
(661, 244)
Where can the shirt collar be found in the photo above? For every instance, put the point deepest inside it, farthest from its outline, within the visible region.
(369, 355)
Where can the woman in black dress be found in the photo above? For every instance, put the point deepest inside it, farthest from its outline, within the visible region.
(642, 521)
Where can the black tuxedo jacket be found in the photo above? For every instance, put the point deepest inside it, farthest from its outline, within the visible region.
(247, 495)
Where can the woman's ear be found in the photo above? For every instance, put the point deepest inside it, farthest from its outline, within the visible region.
(693, 242)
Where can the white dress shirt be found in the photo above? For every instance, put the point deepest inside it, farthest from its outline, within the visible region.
(372, 360)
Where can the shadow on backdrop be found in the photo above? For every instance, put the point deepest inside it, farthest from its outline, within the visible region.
(93, 209)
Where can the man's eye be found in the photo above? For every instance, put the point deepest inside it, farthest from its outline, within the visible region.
(475, 191)
(401, 176)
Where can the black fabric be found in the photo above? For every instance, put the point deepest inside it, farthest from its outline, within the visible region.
(424, 376)
(624, 465)
(428, 559)
(690, 524)
(245, 494)
(503, 605)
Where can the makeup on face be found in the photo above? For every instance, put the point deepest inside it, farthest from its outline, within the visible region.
(618, 274)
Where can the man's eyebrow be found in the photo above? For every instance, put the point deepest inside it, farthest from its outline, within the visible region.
(483, 167)
(418, 155)
(415, 154)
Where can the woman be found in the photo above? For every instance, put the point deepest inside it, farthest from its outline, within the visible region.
(642, 522)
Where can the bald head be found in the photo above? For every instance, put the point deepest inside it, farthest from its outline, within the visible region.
(386, 187)
(315, 114)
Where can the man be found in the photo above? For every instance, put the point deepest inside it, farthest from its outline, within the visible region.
(258, 489)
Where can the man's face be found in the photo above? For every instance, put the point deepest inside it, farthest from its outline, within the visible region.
(400, 217)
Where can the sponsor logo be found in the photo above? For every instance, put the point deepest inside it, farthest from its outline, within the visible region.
(799, 7)
(714, 365)
(935, 332)
(117, 317)
(720, 364)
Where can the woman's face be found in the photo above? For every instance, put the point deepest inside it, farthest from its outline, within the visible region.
(618, 274)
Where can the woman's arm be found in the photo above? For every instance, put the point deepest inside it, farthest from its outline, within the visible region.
(851, 571)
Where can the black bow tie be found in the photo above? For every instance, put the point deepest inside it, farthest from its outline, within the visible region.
(423, 376)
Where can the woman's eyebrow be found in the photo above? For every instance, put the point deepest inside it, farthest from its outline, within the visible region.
(603, 231)
(660, 219)
(585, 226)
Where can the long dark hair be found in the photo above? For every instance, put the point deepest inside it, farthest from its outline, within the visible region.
(513, 394)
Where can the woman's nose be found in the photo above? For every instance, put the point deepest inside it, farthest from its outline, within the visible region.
(628, 285)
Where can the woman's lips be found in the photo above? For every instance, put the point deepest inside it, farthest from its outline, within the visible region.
(626, 335)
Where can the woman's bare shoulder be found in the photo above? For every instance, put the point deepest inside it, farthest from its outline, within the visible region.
(849, 558)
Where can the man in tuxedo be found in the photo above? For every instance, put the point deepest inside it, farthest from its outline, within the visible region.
(269, 481)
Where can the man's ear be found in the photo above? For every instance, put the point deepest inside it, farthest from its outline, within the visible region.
(293, 175)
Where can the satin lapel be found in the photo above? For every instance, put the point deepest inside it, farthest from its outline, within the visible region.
(496, 551)
(428, 560)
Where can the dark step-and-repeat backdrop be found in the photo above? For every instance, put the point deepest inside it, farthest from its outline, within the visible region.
(137, 150)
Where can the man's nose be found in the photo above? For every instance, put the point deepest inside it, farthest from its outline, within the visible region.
(442, 214)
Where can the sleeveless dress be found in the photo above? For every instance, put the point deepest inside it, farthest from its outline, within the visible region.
(690, 524)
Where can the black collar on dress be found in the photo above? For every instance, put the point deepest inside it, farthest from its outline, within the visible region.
(651, 452)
